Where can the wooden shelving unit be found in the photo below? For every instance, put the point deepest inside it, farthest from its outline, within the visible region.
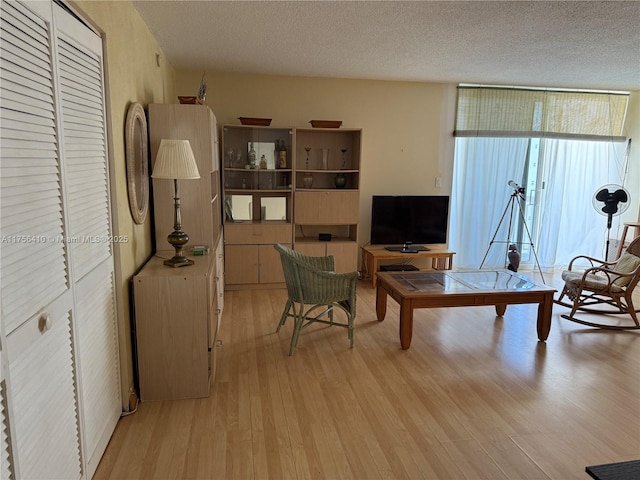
(178, 310)
(303, 210)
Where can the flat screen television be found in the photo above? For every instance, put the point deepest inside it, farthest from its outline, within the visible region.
(409, 221)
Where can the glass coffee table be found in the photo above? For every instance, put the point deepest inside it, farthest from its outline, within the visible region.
(436, 289)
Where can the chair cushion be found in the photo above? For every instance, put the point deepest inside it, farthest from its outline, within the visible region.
(592, 282)
(627, 263)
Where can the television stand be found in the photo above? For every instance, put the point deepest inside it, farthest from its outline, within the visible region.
(441, 258)
(407, 248)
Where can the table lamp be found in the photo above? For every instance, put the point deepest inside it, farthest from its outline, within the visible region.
(175, 161)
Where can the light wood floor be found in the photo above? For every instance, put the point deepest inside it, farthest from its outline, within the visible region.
(476, 397)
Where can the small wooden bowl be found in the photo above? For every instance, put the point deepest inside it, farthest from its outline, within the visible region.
(189, 100)
(259, 122)
(326, 123)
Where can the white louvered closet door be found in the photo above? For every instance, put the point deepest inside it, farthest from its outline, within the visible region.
(62, 399)
(86, 189)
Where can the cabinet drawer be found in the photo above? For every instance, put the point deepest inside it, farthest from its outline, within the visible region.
(327, 208)
(257, 233)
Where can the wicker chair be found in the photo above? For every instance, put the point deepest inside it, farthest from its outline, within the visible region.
(314, 290)
(608, 283)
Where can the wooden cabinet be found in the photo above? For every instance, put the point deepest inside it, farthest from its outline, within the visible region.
(258, 202)
(318, 191)
(178, 311)
(345, 252)
(262, 193)
(199, 199)
(250, 258)
(176, 327)
(330, 202)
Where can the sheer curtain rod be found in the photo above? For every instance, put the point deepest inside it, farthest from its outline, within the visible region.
(540, 89)
(537, 134)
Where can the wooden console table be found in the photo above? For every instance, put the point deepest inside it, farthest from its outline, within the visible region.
(441, 258)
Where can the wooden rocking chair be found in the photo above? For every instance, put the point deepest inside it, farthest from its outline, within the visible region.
(607, 283)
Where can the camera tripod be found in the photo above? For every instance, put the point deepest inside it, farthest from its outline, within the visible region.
(518, 193)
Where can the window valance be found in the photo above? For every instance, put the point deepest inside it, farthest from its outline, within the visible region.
(522, 112)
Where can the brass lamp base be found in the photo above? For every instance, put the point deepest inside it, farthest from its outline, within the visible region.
(178, 239)
(178, 261)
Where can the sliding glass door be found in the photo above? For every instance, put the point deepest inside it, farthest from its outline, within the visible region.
(536, 193)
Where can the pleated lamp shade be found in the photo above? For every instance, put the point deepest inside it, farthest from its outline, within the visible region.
(175, 160)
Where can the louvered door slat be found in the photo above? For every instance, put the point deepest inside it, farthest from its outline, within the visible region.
(86, 98)
(12, 90)
(32, 26)
(14, 210)
(25, 170)
(93, 220)
(80, 61)
(17, 48)
(21, 287)
(13, 162)
(12, 267)
(25, 141)
(12, 117)
(93, 178)
(9, 77)
(14, 132)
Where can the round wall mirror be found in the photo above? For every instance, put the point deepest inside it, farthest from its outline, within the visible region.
(137, 158)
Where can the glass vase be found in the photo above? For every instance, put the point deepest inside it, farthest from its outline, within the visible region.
(325, 159)
(307, 180)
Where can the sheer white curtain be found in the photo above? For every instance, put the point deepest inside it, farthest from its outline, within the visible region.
(569, 224)
(480, 193)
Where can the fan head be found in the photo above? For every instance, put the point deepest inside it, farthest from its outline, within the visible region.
(611, 200)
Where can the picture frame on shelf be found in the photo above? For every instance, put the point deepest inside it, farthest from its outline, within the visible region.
(268, 150)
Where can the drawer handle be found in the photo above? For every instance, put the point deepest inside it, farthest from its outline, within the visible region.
(44, 323)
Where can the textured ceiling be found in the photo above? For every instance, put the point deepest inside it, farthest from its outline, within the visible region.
(570, 44)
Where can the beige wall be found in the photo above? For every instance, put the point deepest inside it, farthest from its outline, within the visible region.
(407, 126)
(132, 75)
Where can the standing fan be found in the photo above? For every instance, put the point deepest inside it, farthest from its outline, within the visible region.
(610, 200)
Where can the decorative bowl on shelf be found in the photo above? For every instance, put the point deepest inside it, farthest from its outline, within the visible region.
(326, 123)
(189, 100)
(259, 122)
